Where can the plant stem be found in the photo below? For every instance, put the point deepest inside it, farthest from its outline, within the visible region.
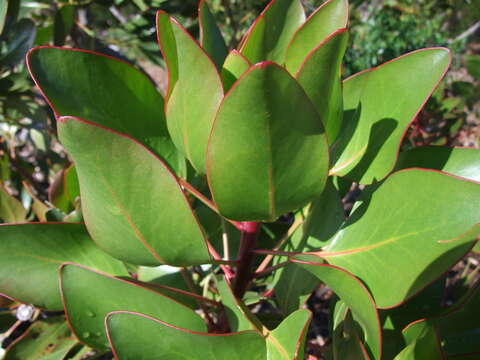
(248, 242)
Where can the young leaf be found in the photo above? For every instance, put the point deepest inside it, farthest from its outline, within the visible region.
(86, 313)
(327, 19)
(194, 90)
(235, 66)
(133, 206)
(422, 343)
(44, 340)
(211, 38)
(463, 162)
(11, 210)
(379, 104)
(354, 294)
(287, 341)
(140, 337)
(65, 189)
(270, 34)
(108, 92)
(255, 121)
(320, 77)
(36, 250)
(403, 217)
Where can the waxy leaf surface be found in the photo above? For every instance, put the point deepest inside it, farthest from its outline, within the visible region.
(379, 104)
(422, 343)
(406, 216)
(108, 92)
(463, 162)
(133, 205)
(320, 77)
(354, 294)
(35, 251)
(263, 117)
(139, 337)
(86, 313)
(272, 31)
(211, 38)
(328, 18)
(194, 90)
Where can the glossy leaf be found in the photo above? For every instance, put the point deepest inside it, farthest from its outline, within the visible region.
(127, 336)
(270, 34)
(354, 294)
(287, 341)
(235, 66)
(255, 122)
(194, 90)
(211, 38)
(464, 162)
(320, 77)
(36, 250)
(24, 33)
(327, 19)
(11, 210)
(44, 340)
(86, 313)
(379, 104)
(133, 205)
(106, 91)
(404, 216)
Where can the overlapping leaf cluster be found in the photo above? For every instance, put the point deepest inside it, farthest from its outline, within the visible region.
(266, 130)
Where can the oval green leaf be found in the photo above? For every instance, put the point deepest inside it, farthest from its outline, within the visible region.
(86, 312)
(211, 38)
(108, 92)
(194, 90)
(255, 121)
(270, 34)
(234, 67)
(407, 216)
(36, 250)
(379, 104)
(133, 206)
(327, 19)
(140, 337)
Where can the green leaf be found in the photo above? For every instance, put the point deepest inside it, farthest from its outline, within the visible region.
(44, 340)
(21, 41)
(270, 34)
(194, 90)
(3, 14)
(320, 77)
(463, 162)
(65, 189)
(422, 343)
(255, 122)
(287, 341)
(235, 66)
(406, 216)
(327, 19)
(140, 337)
(133, 206)
(211, 38)
(63, 24)
(379, 104)
(11, 210)
(86, 313)
(354, 294)
(36, 250)
(106, 91)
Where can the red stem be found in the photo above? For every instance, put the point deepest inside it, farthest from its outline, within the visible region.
(248, 241)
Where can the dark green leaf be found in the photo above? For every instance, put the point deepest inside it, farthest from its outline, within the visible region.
(21, 41)
(211, 38)
(63, 25)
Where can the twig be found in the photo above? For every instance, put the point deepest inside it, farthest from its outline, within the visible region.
(270, 269)
(248, 242)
